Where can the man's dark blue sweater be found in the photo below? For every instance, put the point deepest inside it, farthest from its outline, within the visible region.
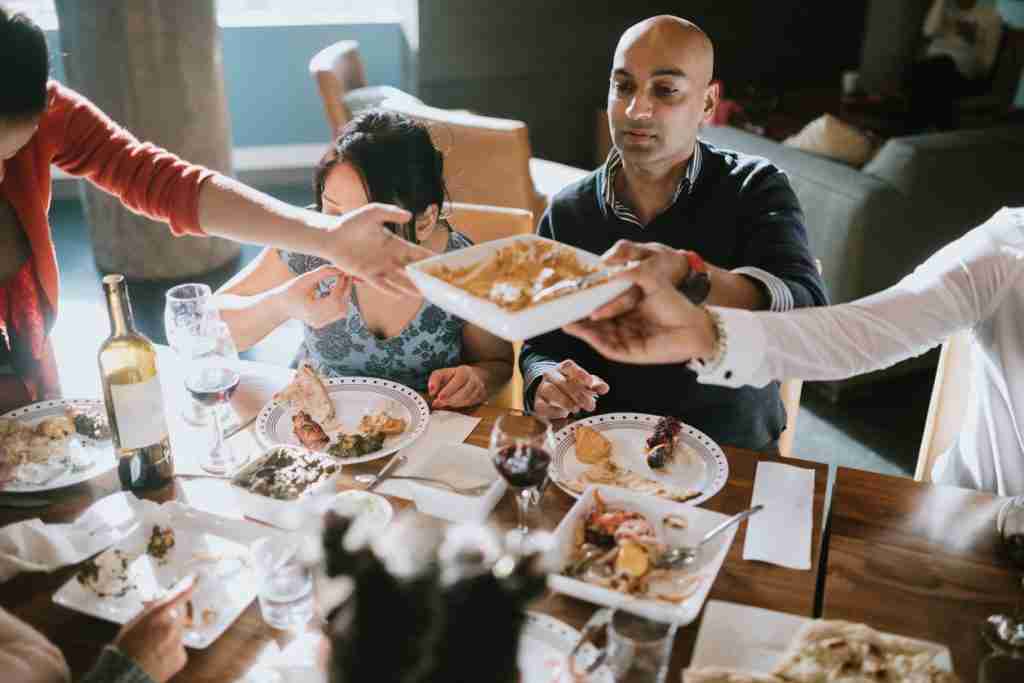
(740, 212)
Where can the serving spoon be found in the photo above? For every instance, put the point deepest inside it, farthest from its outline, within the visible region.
(683, 555)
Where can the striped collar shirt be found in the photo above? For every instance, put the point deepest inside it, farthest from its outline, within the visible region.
(613, 165)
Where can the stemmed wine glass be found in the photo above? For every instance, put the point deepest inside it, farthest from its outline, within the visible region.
(1005, 632)
(211, 378)
(521, 448)
(187, 311)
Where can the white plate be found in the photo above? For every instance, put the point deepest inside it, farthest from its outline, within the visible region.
(628, 433)
(97, 456)
(544, 647)
(699, 522)
(353, 397)
(227, 586)
(753, 639)
(511, 325)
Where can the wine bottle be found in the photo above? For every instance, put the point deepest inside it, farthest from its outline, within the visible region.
(134, 400)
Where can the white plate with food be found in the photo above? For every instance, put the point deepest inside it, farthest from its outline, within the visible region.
(354, 419)
(751, 643)
(52, 444)
(608, 544)
(639, 452)
(168, 543)
(545, 644)
(492, 285)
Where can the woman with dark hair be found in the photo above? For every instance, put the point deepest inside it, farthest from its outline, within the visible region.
(353, 330)
(43, 122)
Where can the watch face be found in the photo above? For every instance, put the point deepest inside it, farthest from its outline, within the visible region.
(696, 286)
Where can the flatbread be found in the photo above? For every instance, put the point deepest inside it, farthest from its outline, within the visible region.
(308, 394)
(610, 473)
(842, 651)
(591, 446)
(718, 674)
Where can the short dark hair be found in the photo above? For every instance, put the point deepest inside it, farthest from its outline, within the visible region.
(26, 61)
(396, 159)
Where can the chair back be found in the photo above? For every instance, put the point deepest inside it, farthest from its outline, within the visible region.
(790, 391)
(952, 394)
(337, 69)
(487, 159)
(483, 224)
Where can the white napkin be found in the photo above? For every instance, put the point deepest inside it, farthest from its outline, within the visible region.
(444, 427)
(35, 547)
(781, 533)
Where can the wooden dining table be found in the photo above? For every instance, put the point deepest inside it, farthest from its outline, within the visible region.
(918, 560)
(895, 557)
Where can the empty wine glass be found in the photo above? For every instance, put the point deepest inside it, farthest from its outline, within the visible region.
(211, 378)
(521, 447)
(186, 312)
(1005, 632)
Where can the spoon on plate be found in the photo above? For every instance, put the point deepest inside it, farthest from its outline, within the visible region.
(683, 555)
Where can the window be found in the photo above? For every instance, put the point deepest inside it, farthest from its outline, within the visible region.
(263, 12)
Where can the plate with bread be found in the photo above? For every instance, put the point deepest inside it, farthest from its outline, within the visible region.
(650, 454)
(743, 644)
(354, 419)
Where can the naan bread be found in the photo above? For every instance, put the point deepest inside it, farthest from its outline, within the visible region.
(381, 423)
(718, 674)
(308, 394)
(612, 474)
(591, 446)
(841, 651)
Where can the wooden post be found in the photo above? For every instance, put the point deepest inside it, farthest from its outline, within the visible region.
(155, 68)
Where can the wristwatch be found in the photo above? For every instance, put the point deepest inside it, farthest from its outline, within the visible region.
(697, 283)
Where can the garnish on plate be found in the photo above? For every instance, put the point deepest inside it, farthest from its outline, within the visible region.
(161, 540)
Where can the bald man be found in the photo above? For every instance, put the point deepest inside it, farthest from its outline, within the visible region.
(730, 222)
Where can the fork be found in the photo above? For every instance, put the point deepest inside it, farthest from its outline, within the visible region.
(572, 283)
(461, 490)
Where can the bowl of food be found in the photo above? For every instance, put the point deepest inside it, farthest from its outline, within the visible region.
(277, 486)
(493, 285)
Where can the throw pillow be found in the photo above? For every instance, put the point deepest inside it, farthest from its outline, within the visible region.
(830, 137)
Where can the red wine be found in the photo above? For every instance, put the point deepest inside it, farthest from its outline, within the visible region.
(522, 466)
(210, 386)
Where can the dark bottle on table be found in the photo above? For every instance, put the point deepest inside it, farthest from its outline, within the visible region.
(133, 397)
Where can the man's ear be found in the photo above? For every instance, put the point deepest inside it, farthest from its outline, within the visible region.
(712, 94)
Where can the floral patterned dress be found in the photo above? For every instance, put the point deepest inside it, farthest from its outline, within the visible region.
(431, 341)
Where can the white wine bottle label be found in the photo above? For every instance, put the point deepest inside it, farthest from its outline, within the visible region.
(139, 409)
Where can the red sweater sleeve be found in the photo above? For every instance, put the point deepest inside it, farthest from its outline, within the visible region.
(148, 180)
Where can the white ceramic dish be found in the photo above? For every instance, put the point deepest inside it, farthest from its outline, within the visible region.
(353, 397)
(286, 514)
(655, 509)
(753, 639)
(84, 458)
(370, 515)
(213, 547)
(517, 325)
(628, 432)
(544, 647)
(460, 464)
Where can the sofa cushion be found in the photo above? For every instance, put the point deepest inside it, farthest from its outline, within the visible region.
(830, 137)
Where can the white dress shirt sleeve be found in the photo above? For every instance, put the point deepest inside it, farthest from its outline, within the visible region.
(958, 287)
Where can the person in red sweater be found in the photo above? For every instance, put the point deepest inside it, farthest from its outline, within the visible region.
(43, 122)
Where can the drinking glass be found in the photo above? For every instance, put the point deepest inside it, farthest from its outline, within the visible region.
(521, 448)
(637, 649)
(211, 378)
(285, 581)
(186, 313)
(1005, 633)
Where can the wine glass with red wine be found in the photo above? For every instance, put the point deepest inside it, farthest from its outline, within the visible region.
(1006, 632)
(211, 379)
(521, 448)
